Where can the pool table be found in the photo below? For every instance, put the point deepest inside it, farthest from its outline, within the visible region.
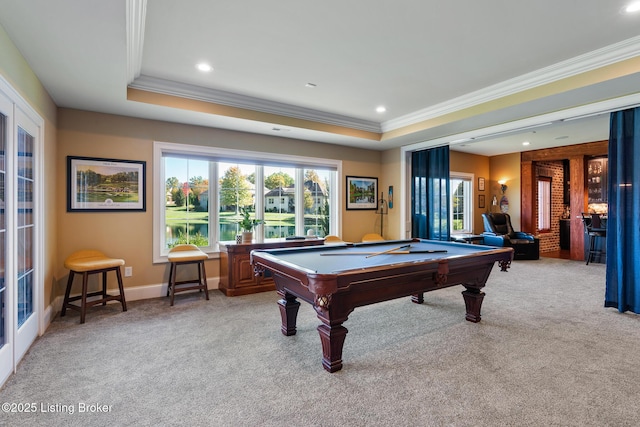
(336, 279)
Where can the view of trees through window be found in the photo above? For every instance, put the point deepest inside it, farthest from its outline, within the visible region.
(286, 208)
(187, 208)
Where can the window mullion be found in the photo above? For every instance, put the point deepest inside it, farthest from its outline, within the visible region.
(259, 202)
(334, 225)
(214, 216)
(299, 206)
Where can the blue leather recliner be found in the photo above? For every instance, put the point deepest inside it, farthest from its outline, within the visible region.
(499, 232)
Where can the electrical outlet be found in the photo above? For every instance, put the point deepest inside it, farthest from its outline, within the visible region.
(128, 271)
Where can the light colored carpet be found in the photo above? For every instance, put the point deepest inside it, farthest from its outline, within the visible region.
(547, 353)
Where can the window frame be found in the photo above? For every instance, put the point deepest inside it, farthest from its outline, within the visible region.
(469, 207)
(547, 204)
(217, 154)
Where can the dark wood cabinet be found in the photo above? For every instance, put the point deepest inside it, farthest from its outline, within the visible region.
(236, 272)
(565, 234)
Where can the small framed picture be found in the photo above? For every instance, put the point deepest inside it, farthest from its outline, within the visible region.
(362, 192)
(480, 184)
(481, 201)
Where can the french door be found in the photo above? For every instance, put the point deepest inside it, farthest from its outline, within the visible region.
(19, 293)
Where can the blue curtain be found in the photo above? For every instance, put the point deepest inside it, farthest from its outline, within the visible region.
(623, 224)
(430, 194)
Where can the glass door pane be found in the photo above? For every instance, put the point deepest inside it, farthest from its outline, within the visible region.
(6, 307)
(22, 225)
(25, 226)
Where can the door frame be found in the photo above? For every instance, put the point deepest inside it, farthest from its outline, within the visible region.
(18, 341)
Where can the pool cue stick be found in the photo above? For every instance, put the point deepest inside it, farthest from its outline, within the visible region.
(387, 251)
(367, 253)
(438, 251)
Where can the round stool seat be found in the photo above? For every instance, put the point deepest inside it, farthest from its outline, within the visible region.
(84, 263)
(182, 255)
(88, 260)
(186, 253)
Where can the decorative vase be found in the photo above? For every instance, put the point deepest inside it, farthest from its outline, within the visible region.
(247, 236)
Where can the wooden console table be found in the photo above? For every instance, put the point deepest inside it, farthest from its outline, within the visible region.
(236, 272)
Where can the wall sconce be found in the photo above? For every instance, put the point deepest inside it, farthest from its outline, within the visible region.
(503, 185)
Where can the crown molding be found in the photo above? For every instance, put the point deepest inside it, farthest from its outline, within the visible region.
(136, 16)
(215, 96)
(590, 61)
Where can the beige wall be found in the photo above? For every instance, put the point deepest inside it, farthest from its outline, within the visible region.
(130, 235)
(16, 71)
(479, 167)
(507, 167)
(391, 167)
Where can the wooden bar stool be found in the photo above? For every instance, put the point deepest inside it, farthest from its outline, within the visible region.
(88, 262)
(594, 230)
(183, 255)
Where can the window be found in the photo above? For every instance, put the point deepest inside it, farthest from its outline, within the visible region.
(544, 204)
(200, 191)
(186, 205)
(461, 201)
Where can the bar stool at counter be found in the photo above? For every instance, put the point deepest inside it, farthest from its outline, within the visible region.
(593, 224)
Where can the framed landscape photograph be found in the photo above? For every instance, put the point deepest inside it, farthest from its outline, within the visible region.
(98, 185)
(362, 193)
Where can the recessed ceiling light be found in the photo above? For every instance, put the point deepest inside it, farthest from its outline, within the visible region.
(632, 7)
(204, 67)
(381, 109)
(526, 143)
(311, 85)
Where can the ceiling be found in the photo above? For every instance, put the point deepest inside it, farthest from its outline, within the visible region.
(482, 76)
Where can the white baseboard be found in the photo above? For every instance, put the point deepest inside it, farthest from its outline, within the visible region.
(131, 294)
(156, 291)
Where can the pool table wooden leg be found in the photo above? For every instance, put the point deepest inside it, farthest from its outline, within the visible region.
(332, 338)
(473, 301)
(288, 312)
